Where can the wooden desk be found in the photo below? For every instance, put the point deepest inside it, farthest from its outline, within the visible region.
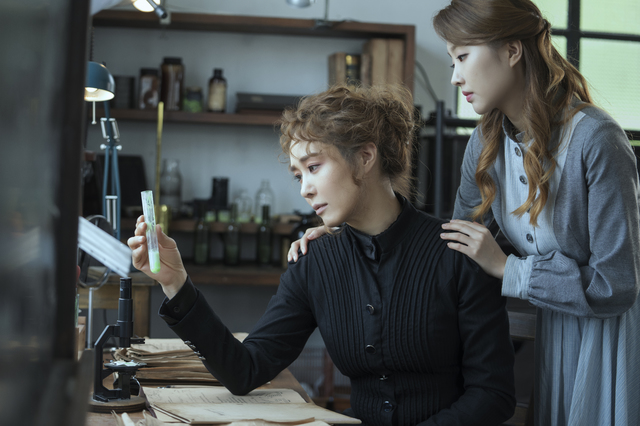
(283, 380)
(106, 297)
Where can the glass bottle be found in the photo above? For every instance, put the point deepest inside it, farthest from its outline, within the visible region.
(264, 196)
(232, 238)
(172, 82)
(201, 236)
(192, 99)
(244, 203)
(264, 238)
(171, 186)
(217, 101)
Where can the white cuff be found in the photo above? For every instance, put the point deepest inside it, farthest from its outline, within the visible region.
(517, 272)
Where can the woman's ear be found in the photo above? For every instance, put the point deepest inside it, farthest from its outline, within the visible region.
(368, 156)
(514, 49)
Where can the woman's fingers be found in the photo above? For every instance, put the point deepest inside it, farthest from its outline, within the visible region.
(293, 251)
(303, 243)
(476, 241)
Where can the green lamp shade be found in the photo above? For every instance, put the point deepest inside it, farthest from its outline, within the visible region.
(99, 85)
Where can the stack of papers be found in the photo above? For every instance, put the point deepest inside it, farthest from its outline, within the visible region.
(207, 405)
(169, 362)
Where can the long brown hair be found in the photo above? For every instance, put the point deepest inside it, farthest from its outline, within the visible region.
(551, 85)
(349, 118)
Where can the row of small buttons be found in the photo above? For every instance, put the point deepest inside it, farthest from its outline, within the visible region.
(524, 181)
(370, 348)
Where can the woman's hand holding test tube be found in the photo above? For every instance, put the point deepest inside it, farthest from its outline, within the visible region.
(172, 274)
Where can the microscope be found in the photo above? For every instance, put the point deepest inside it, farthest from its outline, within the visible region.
(119, 398)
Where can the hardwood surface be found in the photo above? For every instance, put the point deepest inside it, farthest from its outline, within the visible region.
(283, 380)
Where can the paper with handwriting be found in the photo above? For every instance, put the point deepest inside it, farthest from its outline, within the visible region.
(219, 395)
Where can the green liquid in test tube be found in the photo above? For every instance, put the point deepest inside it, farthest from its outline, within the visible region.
(152, 237)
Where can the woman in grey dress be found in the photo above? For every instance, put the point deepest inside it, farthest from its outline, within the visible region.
(559, 177)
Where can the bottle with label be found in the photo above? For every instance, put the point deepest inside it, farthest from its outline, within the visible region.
(353, 70)
(171, 186)
(232, 238)
(149, 88)
(264, 238)
(172, 82)
(264, 196)
(201, 236)
(217, 101)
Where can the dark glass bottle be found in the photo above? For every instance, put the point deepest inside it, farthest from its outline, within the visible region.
(217, 99)
(201, 236)
(232, 239)
(264, 238)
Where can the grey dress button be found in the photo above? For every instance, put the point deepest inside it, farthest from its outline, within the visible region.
(371, 309)
(187, 342)
(387, 406)
(202, 358)
(530, 238)
(383, 377)
(370, 349)
(518, 152)
(523, 179)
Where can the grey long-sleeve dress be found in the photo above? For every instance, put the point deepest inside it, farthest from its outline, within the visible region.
(580, 267)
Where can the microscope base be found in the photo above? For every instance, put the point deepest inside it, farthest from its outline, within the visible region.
(135, 403)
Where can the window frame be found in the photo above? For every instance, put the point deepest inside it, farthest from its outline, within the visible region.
(574, 34)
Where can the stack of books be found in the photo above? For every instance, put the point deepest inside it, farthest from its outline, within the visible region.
(381, 62)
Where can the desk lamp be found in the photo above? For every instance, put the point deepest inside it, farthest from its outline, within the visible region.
(100, 87)
(320, 23)
(150, 6)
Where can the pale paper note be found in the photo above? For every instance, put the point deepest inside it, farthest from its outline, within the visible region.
(219, 395)
(274, 413)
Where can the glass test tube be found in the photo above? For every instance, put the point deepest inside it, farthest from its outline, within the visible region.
(152, 237)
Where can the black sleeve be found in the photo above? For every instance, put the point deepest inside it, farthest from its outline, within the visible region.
(172, 311)
(488, 357)
(273, 344)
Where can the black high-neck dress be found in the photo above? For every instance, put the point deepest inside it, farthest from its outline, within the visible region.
(420, 329)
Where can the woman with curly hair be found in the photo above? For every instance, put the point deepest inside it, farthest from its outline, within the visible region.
(421, 331)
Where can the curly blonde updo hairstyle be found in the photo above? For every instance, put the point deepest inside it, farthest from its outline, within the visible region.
(348, 118)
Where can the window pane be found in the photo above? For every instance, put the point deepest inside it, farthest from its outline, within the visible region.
(611, 16)
(555, 11)
(611, 67)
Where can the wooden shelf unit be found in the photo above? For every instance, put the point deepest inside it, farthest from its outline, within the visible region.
(127, 225)
(151, 115)
(244, 274)
(250, 25)
(264, 25)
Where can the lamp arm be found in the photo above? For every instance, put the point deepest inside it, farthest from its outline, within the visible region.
(159, 10)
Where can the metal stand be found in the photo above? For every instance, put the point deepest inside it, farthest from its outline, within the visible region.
(111, 133)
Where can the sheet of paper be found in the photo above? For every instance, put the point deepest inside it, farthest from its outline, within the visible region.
(275, 413)
(219, 395)
(105, 248)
